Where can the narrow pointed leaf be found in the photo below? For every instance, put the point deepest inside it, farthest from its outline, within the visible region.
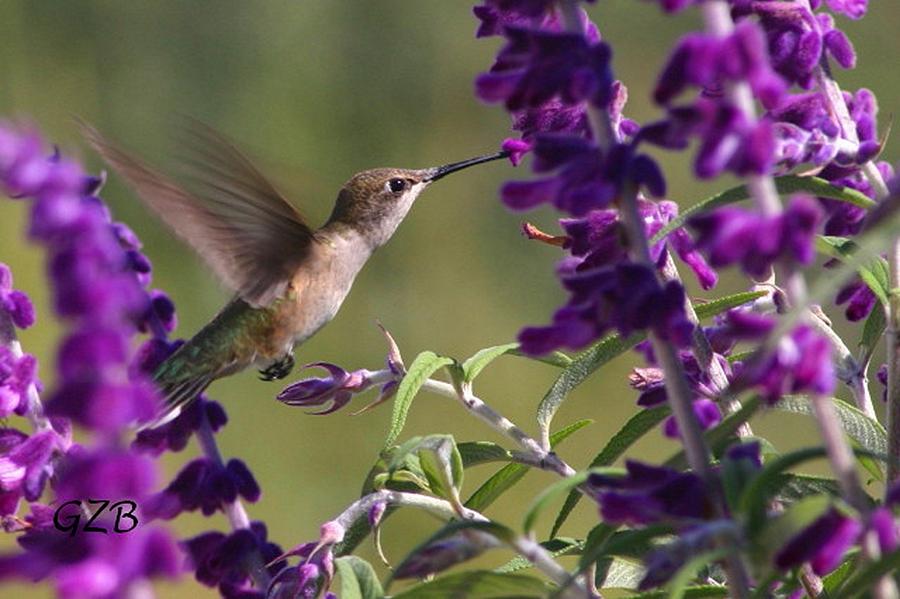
(873, 330)
(868, 433)
(482, 358)
(425, 364)
(442, 465)
(474, 453)
(510, 474)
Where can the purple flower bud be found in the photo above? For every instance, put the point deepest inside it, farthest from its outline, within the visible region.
(822, 544)
(854, 9)
(376, 513)
(706, 412)
(336, 389)
(882, 521)
(16, 376)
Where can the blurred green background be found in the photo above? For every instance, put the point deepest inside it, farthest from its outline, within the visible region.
(316, 91)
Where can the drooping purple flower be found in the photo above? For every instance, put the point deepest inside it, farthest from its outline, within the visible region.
(626, 297)
(706, 412)
(822, 544)
(737, 235)
(220, 560)
(650, 494)
(17, 374)
(14, 302)
(204, 485)
(800, 362)
(333, 391)
(174, 435)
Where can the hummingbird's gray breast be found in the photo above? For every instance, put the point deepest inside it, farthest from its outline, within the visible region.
(324, 281)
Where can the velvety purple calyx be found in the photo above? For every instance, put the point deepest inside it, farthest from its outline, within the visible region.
(823, 543)
(800, 362)
(17, 374)
(706, 412)
(25, 466)
(206, 486)
(756, 242)
(174, 435)
(220, 559)
(706, 61)
(650, 494)
(626, 297)
(14, 302)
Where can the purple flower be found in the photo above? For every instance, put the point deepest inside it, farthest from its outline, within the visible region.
(706, 412)
(25, 466)
(626, 297)
(14, 302)
(174, 435)
(822, 543)
(17, 374)
(205, 485)
(731, 235)
(220, 559)
(800, 362)
(334, 391)
(313, 575)
(650, 494)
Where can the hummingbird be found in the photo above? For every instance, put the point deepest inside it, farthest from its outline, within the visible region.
(288, 279)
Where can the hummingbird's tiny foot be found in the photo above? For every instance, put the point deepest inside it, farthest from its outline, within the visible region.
(279, 369)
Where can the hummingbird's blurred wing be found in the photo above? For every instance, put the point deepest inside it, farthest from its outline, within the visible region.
(237, 221)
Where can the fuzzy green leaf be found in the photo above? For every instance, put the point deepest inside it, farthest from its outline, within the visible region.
(358, 580)
(425, 364)
(477, 584)
(482, 358)
(474, 453)
(873, 330)
(874, 273)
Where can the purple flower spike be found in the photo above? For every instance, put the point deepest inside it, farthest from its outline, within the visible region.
(822, 544)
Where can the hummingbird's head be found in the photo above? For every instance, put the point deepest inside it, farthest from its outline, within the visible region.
(374, 202)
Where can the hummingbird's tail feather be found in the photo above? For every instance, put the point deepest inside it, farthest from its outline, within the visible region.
(177, 396)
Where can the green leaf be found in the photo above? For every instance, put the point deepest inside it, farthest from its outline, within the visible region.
(754, 499)
(474, 453)
(510, 474)
(358, 580)
(785, 184)
(605, 541)
(482, 358)
(789, 487)
(442, 465)
(872, 333)
(636, 427)
(554, 358)
(692, 592)
(868, 433)
(839, 575)
(688, 572)
(579, 370)
(465, 548)
(555, 547)
(723, 304)
(477, 584)
(418, 372)
(623, 574)
(874, 273)
(779, 530)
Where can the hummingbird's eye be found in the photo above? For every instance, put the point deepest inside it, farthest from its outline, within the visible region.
(396, 185)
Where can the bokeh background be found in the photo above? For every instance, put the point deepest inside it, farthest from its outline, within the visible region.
(316, 91)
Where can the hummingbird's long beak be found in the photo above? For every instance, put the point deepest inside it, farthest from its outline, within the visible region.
(440, 171)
